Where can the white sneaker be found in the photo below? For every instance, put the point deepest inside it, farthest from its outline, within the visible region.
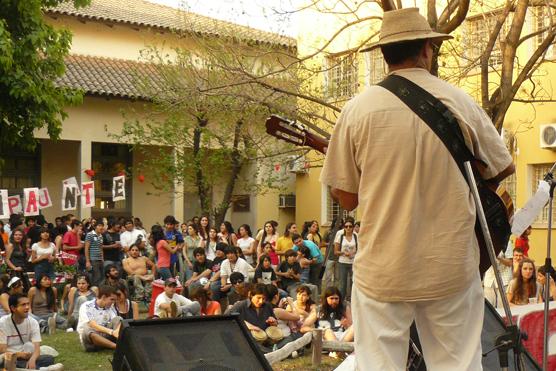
(294, 354)
(69, 329)
(55, 367)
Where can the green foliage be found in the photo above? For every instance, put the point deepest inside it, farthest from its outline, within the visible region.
(31, 59)
(205, 128)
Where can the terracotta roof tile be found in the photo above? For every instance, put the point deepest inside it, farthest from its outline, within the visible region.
(145, 13)
(109, 77)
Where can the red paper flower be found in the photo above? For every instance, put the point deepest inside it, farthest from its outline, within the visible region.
(277, 167)
(90, 173)
(141, 178)
(121, 173)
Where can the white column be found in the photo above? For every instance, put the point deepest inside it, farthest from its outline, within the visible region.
(85, 162)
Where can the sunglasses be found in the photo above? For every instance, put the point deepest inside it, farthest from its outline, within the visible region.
(348, 226)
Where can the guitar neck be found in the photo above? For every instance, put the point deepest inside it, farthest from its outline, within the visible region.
(316, 142)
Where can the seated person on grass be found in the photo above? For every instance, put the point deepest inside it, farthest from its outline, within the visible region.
(43, 298)
(214, 283)
(208, 307)
(289, 273)
(138, 276)
(10, 287)
(286, 317)
(202, 268)
(171, 305)
(99, 325)
(264, 273)
(306, 308)
(240, 288)
(232, 264)
(83, 292)
(20, 335)
(112, 277)
(258, 315)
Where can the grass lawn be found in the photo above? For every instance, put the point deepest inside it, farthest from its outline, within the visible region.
(75, 359)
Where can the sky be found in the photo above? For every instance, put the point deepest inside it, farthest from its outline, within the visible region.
(269, 15)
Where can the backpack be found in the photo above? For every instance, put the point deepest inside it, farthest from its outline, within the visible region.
(342, 240)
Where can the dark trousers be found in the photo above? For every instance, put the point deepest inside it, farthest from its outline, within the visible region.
(314, 275)
(42, 361)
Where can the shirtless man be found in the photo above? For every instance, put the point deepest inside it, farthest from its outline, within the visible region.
(138, 276)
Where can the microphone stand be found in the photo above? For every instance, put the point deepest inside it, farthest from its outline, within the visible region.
(549, 177)
(511, 339)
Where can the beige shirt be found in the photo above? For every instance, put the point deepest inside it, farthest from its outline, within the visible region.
(417, 239)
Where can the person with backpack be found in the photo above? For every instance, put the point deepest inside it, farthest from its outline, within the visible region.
(345, 247)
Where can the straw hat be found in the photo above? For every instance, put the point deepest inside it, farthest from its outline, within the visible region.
(405, 25)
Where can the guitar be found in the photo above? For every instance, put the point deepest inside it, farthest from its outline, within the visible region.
(496, 201)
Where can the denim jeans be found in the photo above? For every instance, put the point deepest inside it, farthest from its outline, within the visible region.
(345, 277)
(164, 273)
(44, 267)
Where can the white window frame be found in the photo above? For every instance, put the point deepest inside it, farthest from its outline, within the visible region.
(341, 80)
(536, 173)
(539, 18)
(327, 207)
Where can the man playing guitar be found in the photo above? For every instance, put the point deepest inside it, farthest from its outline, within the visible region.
(418, 254)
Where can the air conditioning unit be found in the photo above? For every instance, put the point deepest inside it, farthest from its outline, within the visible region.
(548, 136)
(297, 165)
(286, 201)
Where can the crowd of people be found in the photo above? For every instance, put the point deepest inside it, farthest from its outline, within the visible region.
(271, 280)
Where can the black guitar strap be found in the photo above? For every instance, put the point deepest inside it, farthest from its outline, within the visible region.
(434, 113)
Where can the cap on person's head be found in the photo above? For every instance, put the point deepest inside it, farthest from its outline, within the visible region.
(405, 25)
(171, 282)
(236, 277)
(13, 281)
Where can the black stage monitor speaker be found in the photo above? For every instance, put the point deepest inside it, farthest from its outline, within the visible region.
(220, 343)
(493, 326)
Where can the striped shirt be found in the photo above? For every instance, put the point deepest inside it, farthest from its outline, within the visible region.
(95, 247)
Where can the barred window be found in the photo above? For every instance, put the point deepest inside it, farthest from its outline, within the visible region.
(333, 209)
(342, 77)
(540, 19)
(377, 66)
(477, 34)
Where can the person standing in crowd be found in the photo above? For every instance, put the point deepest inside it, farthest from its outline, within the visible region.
(94, 255)
(3, 233)
(33, 230)
(140, 280)
(316, 258)
(16, 257)
(111, 245)
(524, 288)
(131, 236)
(72, 244)
(112, 277)
(523, 241)
(399, 184)
(227, 234)
(99, 325)
(247, 244)
(204, 229)
(78, 295)
(20, 335)
(269, 234)
(285, 243)
(311, 232)
(175, 238)
(345, 247)
(43, 255)
(163, 252)
(191, 242)
(210, 243)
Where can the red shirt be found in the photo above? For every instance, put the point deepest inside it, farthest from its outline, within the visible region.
(70, 239)
(163, 254)
(523, 243)
(210, 309)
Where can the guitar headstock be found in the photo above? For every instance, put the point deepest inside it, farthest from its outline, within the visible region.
(287, 130)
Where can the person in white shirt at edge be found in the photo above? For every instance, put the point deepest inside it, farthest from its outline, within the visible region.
(170, 305)
(99, 325)
(418, 255)
(131, 235)
(20, 337)
(233, 263)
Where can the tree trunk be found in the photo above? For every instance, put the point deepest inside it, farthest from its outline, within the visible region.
(237, 163)
(202, 188)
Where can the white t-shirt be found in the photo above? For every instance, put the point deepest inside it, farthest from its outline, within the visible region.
(128, 238)
(90, 311)
(164, 299)
(226, 269)
(347, 246)
(245, 245)
(40, 251)
(29, 330)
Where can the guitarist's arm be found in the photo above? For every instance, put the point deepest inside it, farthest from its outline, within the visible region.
(347, 200)
(503, 174)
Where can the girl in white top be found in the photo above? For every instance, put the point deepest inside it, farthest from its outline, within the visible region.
(210, 244)
(345, 247)
(246, 243)
(43, 255)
